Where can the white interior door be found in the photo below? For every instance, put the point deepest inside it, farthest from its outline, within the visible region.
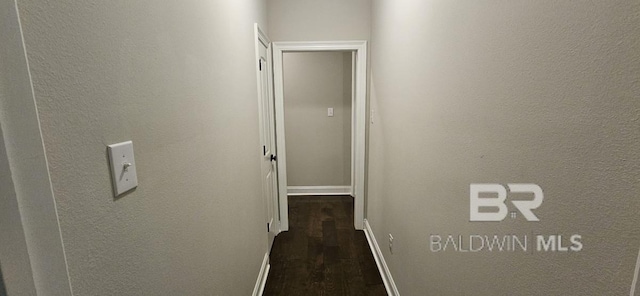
(267, 135)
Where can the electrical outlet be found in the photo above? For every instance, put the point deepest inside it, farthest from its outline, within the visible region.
(390, 243)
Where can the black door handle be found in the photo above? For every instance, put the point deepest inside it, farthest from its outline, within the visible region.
(274, 158)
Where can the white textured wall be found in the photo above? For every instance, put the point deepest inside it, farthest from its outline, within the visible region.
(541, 92)
(318, 146)
(179, 80)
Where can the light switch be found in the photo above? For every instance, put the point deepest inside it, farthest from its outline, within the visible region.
(123, 167)
(330, 112)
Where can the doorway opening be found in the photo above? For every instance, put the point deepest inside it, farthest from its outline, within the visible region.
(354, 178)
(318, 97)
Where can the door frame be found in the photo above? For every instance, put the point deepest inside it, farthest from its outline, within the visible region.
(358, 119)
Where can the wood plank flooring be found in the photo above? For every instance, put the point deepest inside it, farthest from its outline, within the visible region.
(322, 253)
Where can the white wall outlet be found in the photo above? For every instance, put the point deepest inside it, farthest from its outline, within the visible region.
(372, 113)
(123, 167)
(330, 112)
(390, 243)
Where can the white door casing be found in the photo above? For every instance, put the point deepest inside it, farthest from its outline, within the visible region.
(268, 156)
(358, 119)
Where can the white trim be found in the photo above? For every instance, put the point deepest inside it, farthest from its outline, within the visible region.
(278, 87)
(634, 282)
(262, 276)
(389, 284)
(353, 121)
(318, 190)
(358, 128)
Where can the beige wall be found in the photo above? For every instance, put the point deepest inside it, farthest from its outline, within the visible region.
(179, 80)
(14, 257)
(347, 84)
(318, 146)
(542, 92)
(309, 20)
(31, 251)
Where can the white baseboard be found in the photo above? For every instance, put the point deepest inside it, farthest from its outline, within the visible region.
(389, 284)
(262, 276)
(318, 190)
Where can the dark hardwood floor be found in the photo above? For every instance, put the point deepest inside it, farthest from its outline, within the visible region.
(322, 253)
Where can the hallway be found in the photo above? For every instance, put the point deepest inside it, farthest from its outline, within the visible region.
(489, 146)
(322, 254)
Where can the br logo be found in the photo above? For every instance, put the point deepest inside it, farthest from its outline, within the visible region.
(497, 196)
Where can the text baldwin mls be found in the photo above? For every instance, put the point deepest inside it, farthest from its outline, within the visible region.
(504, 243)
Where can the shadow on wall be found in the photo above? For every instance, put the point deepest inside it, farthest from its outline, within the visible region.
(3, 291)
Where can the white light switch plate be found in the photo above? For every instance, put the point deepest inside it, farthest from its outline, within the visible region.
(123, 167)
(330, 112)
